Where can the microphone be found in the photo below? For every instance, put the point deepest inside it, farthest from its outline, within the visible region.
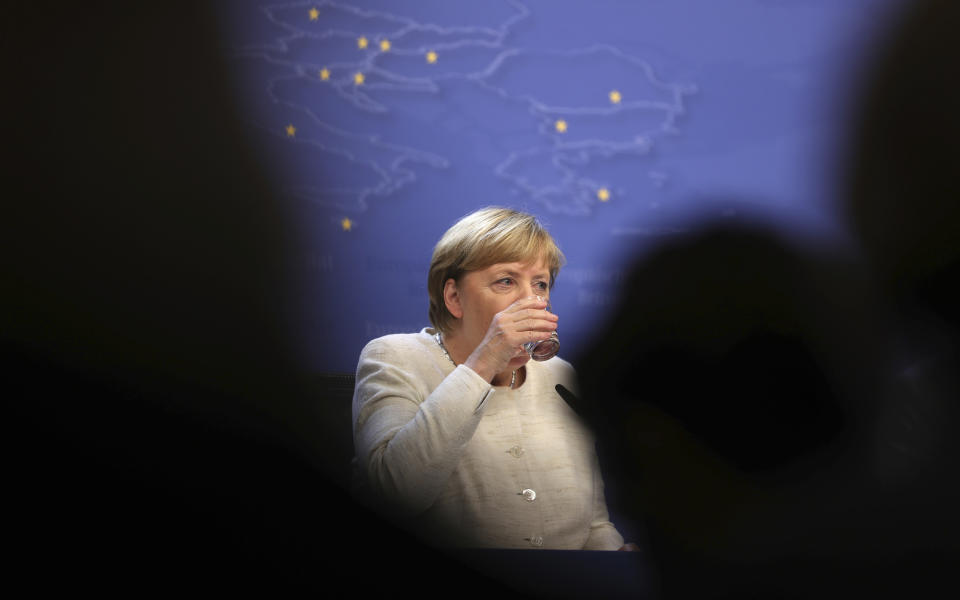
(569, 398)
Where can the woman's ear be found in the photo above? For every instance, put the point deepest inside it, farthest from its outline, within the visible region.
(451, 297)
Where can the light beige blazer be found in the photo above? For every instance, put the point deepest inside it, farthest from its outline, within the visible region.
(468, 464)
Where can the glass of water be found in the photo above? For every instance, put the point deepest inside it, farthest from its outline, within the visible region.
(544, 349)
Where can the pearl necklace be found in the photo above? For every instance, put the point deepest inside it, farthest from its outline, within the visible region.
(513, 376)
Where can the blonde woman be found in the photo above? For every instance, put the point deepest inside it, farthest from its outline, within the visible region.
(457, 432)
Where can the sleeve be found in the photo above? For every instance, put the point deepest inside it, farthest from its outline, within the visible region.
(407, 445)
(603, 534)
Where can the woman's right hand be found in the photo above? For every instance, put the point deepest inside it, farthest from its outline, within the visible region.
(526, 320)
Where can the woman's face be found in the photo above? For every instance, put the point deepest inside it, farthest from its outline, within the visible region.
(485, 292)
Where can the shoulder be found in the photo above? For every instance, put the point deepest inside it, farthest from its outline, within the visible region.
(560, 368)
(398, 344)
(406, 350)
(398, 361)
(554, 371)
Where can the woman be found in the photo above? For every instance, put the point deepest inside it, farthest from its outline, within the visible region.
(455, 428)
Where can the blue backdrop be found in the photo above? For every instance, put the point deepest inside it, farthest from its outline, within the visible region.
(618, 123)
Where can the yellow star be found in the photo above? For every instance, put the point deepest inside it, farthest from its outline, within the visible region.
(314, 14)
(561, 126)
(603, 194)
(324, 73)
(362, 43)
(615, 97)
(431, 57)
(347, 224)
(291, 130)
(384, 45)
(358, 79)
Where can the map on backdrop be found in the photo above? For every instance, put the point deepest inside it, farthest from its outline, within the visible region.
(619, 124)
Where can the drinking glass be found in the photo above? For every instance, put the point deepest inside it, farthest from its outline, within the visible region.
(544, 349)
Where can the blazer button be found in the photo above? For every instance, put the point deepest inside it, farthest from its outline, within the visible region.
(516, 451)
(536, 541)
(529, 495)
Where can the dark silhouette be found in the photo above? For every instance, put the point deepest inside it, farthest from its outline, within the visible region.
(731, 394)
(784, 420)
(904, 191)
(160, 436)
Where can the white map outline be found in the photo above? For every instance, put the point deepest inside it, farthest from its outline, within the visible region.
(573, 192)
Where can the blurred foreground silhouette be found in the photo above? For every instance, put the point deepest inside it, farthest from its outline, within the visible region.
(160, 434)
(784, 421)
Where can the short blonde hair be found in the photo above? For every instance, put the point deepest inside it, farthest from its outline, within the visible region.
(486, 237)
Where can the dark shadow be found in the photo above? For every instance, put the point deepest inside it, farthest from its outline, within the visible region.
(904, 205)
(732, 393)
(784, 421)
(160, 434)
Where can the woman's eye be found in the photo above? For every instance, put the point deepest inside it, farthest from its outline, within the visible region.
(541, 285)
(504, 281)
